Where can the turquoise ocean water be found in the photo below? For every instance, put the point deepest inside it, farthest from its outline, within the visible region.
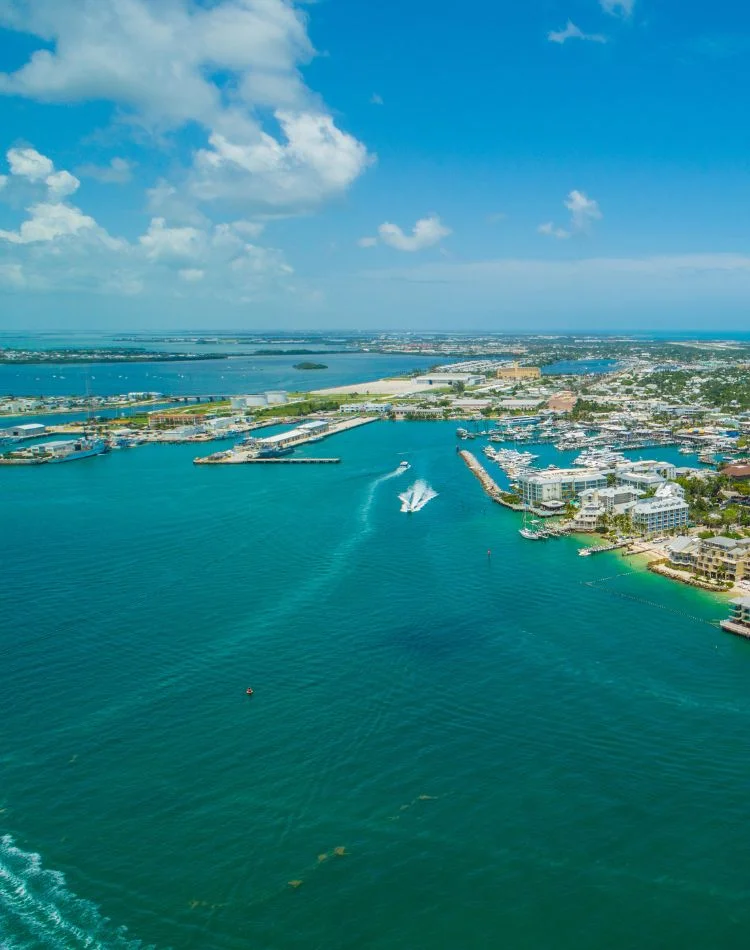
(528, 750)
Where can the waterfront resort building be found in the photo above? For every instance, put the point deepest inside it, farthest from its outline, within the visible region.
(589, 516)
(642, 480)
(560, 484)
(514, 371)
(658, 515)
(723, 558)
(684, 550)
(615, 500)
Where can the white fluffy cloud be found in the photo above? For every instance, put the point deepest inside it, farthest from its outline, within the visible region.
(62, 185)
(583, 212)
(28, 163)
(622, 8)
(160, 62)
(48, 221)
(172, 245)
(549, 230)
(425, 233)
(313, 161)
(119, 171)
(571, 32)
(59, 247)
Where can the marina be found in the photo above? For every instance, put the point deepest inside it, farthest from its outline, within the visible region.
(490, 486)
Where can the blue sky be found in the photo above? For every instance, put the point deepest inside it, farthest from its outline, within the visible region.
(556, 164)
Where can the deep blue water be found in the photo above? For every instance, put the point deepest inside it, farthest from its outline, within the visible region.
(579, 367)
(526, 750)
(202, 377)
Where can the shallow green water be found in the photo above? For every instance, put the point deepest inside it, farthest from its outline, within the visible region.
(530, 750)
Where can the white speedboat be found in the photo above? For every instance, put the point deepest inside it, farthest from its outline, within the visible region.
(403, 467)
(417, 496)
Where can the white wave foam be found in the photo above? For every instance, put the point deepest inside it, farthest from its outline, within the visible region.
(38, 912)
(417, 496)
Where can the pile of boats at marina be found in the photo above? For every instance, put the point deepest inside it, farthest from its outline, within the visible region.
(534, 530)
(511, 461)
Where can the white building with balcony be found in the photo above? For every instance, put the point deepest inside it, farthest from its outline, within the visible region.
(558, 484)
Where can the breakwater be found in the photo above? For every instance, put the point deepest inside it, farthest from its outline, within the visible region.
(486, 481)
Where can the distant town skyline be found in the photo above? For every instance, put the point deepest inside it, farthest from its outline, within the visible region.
(265, 164)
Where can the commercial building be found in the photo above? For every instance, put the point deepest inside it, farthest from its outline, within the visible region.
(175, 419)
(367, 407)
(560, 484)
(518, 403)
(57, 449)
(449, 379)
(515, 371)
(29, 430)
(307, 431)
(418, 412)
(259, 400)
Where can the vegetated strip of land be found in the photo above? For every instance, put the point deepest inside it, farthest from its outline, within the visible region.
(103, 356)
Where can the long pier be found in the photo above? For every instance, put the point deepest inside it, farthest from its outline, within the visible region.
(241, 456)
(486, 481)
(602, 548)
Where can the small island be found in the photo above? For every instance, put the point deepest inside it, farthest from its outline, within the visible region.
(306, 364)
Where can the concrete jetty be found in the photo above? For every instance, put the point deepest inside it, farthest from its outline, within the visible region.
(486, 481)
(240, 456)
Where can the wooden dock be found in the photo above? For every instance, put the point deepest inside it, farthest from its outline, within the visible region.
(603, 548)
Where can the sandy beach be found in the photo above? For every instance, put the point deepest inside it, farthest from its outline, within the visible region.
(378, 387)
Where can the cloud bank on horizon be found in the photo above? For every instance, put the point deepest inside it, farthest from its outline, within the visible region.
(165, 156)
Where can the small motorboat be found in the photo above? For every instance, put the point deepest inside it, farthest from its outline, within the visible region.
(403, 466)
(249, 691)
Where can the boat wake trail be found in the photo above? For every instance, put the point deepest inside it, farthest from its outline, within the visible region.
(38, 912)
(417, 496)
